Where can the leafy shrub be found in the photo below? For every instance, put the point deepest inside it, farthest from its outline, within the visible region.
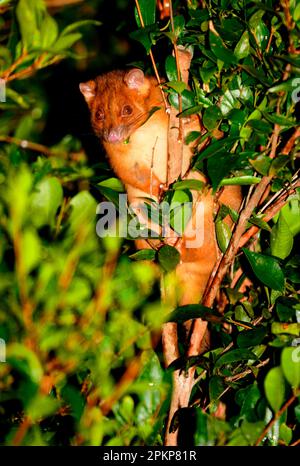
(79, 320)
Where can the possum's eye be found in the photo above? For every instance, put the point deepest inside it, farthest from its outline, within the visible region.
(99, 115)
(127, 110)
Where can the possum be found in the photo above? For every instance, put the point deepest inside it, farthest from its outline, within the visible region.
(128, 115)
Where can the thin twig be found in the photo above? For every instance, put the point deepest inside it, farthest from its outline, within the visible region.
(36, 147)
(218, 398)
(151, 55)
(24, 144)
(21, 432)
(270, 39)
(269, 214)
(9, 75)
(288, 22)
(6, 73)
(174, 42)
(241, 375)
(294, 444)
(127, 378)
(275, 418)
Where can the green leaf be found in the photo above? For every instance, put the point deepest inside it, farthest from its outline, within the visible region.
(275, 388)
(49, 32)
(211, 117)
(178, 86)
(112, 183)
(242, 48)
(126, 408)
(229, 102)
(180, 210)
(234, 356)
(286, 308)
(216, 387)
(296, 13)
(246, 434)
(63, 43)
(259, 29)
(288, 85)
(261, 164)
(168, 257)
(41, 406)
(251, 431)
(226, 210)
(291, 213)
(192, 136)
(18, 199)
(187, 98)
(279, 328)
(285, 434)
(278, 164)
(260, 126)
(248, 399)
(31, 250)
(279, 120)
(219, 49)
(179, 24)
(241, 314)
(144, 36)
(150, 396)
(259, 222)
(78, 24)
(290, 363)
(194, 311)
(148, 10)
(197, 185)
(45, 201)
(253, 337)
(171, 68)
(281, 239)
(214, 148)
(74, 399)
(256, 73)
(18, 352)
(143, 254)
(83, 211)
(18, 98)
(190, 111)
(28, 15)
(219, 166)
(266, 269)
(110, 194)
(244, 180)
(223, 233)
(25, 127)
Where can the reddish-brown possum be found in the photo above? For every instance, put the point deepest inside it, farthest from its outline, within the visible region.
(135, 139)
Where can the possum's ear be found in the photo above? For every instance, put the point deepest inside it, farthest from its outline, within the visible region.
(135, 79)
(88, 90)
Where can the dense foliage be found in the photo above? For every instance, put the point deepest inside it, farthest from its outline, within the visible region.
(80, 320)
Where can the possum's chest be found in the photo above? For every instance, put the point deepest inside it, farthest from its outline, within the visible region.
(141, 163)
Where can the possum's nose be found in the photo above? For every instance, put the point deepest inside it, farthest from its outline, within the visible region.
(115, 135)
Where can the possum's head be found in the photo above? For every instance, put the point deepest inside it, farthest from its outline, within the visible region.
(120, 102)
